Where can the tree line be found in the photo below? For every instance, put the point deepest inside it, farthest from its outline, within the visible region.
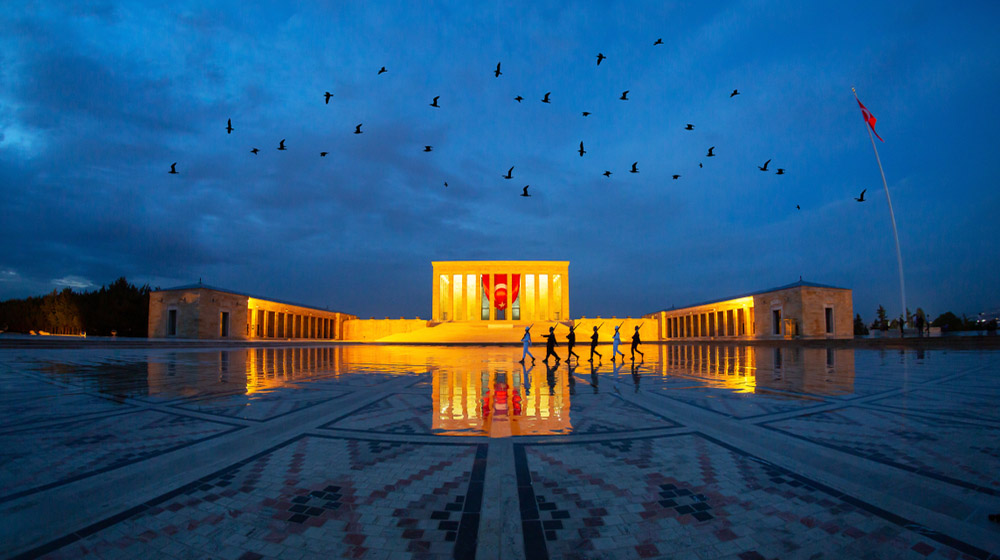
(947, 322)
(120, 307)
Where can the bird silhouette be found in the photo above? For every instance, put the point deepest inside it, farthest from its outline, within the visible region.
(546, 98)
(764, 167)
(700, 165)
(689, 127)
(428, 148)
(797, 207)
(323, 154)
(624, 96)
(862, 197)
(581, 150)
(600, 57)
(525, 191)
(229, 126)
(254, 150)
(510, 173)
(735, 93)
(781, 171)
(497, 72)
(435, 102)
(658, 42)
(635, 167)
(677, 177)
(328, 95)
(382, 70)
(281, 145)
(357, 129)
(446, 184)
(586, 113)
(519, 99)
(607, 174)
(710, 154)
(173, 168)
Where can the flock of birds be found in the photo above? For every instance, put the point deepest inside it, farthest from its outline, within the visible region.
(545, 99)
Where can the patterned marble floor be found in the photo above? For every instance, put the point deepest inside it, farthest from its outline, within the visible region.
(309, 451)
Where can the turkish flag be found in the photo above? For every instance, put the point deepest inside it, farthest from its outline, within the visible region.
(869, 118)
(499, 294)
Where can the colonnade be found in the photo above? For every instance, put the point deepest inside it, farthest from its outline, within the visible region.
(733, 319)
(501, 291)
(285, 323)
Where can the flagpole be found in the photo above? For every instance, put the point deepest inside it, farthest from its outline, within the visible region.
(892, 215)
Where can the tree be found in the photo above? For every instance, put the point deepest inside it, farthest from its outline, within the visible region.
(880, 315)
(859, 325)
(948, 321)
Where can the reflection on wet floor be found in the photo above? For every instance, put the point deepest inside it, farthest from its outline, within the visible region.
(473, 390)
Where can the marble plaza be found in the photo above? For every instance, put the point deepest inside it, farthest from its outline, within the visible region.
(320, 450)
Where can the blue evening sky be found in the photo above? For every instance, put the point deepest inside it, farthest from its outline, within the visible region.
(98, 99)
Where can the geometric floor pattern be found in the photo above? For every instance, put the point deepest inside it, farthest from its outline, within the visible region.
(360, 451)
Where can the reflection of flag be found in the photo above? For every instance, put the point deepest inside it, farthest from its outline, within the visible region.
(869, 117)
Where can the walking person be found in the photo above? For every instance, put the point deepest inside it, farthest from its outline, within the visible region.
(614, 344)
(570, 342)
(526, 339)
(550, 345)
(593, 344)
(635, 346)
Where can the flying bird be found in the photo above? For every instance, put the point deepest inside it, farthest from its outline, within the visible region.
(435, 102)
(382, 70)
(546, 98)
(173, 168)
(497, 72)
(446, 184)
(689, 127)
(764, 167)
(600, 57)
(323, 154)
(658, 42)
(781, 171)
(586, 113)
(797, 207)
(281, 145)
(229, 126)
(700, 165)
(328, 95)
(635, 167)
(357, 129)
(607, 174)
(677, 177)
(525, 191)
(428, 148)
(581, 150)
(862, 197)
(510, 173)
(710, 154)
(519, 99)
(624, 96)
(735, 93)
(254, 150)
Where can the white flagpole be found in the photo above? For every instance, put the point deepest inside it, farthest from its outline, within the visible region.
(892, 215)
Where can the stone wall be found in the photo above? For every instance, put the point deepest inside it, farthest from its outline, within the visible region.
(374, 329)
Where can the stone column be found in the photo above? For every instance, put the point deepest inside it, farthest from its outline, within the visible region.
(510, 297)
(479, 297)
(436, 297)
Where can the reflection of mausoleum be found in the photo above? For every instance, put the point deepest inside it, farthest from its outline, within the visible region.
(500, 291)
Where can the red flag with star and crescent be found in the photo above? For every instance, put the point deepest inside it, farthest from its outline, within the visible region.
(869, 117)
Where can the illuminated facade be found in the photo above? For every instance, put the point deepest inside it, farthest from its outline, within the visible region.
(799, 310)
(205, 312)
(500, 291)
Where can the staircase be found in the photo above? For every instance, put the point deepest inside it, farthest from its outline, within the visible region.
(480, 332)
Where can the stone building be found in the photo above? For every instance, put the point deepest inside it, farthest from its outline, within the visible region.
(500, 291)
(799, 310)
(206, 312)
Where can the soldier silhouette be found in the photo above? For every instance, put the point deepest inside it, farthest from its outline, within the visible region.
(570, 342)
(550, 345)
(593, 344)
(635, 345)
(526, 339)
(614, 344)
